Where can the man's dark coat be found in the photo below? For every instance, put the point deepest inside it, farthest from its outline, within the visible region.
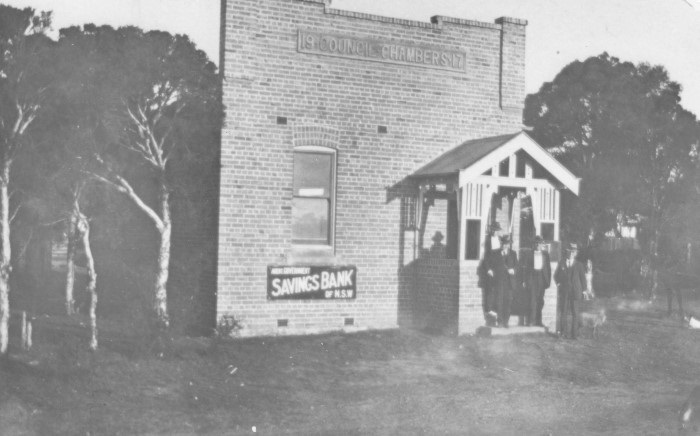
(536, 281)
(503, 283)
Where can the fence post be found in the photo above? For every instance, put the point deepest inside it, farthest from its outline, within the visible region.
(26, 332)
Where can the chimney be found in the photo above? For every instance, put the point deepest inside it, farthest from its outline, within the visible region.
(512, 72)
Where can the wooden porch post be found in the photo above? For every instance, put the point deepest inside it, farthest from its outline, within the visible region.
(462, 208)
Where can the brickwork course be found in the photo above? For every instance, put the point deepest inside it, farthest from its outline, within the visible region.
(279, 95)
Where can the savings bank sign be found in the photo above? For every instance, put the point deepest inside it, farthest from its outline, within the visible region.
(311, 282)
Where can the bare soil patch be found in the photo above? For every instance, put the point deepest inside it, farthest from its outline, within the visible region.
(628, 380)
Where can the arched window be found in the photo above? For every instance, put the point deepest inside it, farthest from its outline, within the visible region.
(313, 202)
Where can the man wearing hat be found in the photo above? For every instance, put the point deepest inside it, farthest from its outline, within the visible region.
(495, 234)
(486, 280)
(570, 277)
(538, 277)
(501, 266)
(438, 248)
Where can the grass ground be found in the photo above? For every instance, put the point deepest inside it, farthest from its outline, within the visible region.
(629, 380)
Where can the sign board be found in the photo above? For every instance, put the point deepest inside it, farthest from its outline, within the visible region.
(370, 49)
(311, 282)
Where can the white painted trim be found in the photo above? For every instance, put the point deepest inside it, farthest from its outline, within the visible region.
(419, 208)
(521, 142)
(514, 182)
(316, 149)
(512, 165)
(474, 199)
(333, 194)
(462, 193)
(557, 223)
(487, 197)
(535, 199)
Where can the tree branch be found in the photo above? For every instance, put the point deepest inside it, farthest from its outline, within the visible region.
(121, 185)
(18, 121)
(23, 251)
(14, 214)
(167, 133)
(151, 139)
(141, 204)
(149, 150)
(29, 119)
(140, 151)
(133, 117)
(105, 181)
(158, 149)
(142, 127)
(49, 224)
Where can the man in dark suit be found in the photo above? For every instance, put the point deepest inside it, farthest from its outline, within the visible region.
(492, 247)
(675, 271)
(501, 266)
(570, 277)
(538, 277)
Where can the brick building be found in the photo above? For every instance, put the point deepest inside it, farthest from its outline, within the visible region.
(356, 150)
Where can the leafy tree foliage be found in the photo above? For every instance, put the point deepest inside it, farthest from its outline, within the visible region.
(622, 129)
(24, 80)
(140, 112)
(149, 104)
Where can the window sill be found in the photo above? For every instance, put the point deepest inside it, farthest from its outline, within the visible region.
(311, 255)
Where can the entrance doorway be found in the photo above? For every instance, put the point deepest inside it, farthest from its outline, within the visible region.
(511, 212)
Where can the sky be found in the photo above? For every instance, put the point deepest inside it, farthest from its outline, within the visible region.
(665, 32)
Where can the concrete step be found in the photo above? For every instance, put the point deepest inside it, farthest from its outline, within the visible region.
(511, 330)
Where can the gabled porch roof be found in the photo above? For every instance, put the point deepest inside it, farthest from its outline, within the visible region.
(474, 157)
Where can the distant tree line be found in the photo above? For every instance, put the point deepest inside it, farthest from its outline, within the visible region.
(116, 129)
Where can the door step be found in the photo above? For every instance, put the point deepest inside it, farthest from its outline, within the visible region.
(512, 330)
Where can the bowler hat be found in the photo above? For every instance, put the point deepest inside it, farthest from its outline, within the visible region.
(505, 239)
(573, 247)
(538, 239)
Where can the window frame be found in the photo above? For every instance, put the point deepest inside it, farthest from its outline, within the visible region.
(478, 241)
(330, 238)
(542, 230)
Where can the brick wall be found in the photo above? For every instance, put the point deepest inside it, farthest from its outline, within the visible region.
(340, 103)
(435, 294)
(512, 64)
(471, 314)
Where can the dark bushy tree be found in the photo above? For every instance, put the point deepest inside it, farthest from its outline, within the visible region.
(621, 128)
(25, 75)
(154, 111)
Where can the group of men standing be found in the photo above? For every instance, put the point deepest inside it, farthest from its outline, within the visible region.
(510, 286)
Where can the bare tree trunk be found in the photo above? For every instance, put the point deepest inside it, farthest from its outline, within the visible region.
(161, 294)
(5, 257)
(26, 331)
(160, 319)
(654, 253)
(83, 228)
(70, 264)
